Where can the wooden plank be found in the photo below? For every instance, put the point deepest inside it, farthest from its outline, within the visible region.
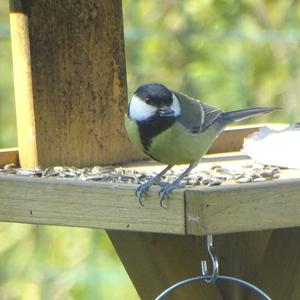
(228, 208)
(246, 207)
(9, 156)
(232, 139)
(240, 255)
(70, 82)
(296, 291)
(87, 204)
(278, 275)
(156, 261)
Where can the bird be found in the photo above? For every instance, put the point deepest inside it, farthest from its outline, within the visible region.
(173, 128)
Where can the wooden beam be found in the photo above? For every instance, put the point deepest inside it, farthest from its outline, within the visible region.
(232, 139)
(240, 255)
(156, 261)
(247, 207)
(279, 273)
(86, 204)
(223, 209)
(9, 156)
(296, 291)
(70, 82)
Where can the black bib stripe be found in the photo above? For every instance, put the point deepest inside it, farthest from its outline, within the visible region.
(152, 127)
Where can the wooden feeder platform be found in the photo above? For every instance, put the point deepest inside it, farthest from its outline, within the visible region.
(230, 207)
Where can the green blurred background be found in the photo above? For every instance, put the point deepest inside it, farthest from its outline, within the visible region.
(231, 54)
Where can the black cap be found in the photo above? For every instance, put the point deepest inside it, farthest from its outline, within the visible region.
(155, 94)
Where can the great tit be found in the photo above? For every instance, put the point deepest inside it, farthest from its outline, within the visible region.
(173, 128)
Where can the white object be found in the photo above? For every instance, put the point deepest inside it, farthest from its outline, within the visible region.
(275, 147)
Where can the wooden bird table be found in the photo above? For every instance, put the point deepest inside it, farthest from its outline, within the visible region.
(70, 83)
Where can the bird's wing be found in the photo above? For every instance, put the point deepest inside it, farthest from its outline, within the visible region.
(196, 116)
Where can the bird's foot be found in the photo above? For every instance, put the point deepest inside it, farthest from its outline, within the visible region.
(141, 190)
(167, 189)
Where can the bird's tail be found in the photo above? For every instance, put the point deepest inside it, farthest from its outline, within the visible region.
(238, 115)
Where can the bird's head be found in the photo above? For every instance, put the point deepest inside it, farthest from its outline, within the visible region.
(151, 100)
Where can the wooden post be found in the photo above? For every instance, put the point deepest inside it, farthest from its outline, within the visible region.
(70, 82)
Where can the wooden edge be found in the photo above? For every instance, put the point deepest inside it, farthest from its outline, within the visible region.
(232, 138)
(236, 208)
(208, 210)
(87, 204)
(9, 156)
(20, 43)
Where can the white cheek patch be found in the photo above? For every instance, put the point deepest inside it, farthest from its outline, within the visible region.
(139, 110)
(175, 106)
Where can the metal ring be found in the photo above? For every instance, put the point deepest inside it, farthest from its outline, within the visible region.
(246, 284)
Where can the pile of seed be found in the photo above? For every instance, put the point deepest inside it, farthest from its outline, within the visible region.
(216, 175)
(247, 173)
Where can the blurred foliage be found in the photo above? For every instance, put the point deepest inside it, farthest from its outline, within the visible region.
(59, 263)
(8, 136)
(230, 54)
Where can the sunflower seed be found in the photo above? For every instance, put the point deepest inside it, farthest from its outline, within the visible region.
(243, 180)
(21, 172)
(9, 166)
(214, 182)
(260, 179)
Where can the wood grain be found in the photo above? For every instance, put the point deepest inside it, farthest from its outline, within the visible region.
(240, 255)
(87, 204)
(9, 156)
(248, 207)
(278, 275)
(223, 209)
(70, 82)
(156, 261)
(296, 289)
(24, 97)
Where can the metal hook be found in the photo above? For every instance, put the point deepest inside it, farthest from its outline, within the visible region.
(215, 264)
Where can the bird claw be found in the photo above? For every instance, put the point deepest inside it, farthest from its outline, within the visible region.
(165, 191)
(140, 191)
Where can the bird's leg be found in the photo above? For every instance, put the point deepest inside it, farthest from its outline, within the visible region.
(167, 189)
(145, 186)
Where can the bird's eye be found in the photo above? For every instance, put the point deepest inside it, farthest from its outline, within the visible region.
(148, 101)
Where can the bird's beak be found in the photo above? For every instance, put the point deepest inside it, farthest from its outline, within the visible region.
(165, 111)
